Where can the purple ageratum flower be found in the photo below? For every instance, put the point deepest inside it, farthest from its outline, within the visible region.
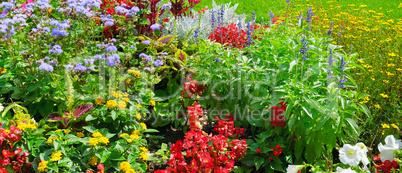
(109, 23)
(111, 48)
(132, 47)
(96, 57)
(59, 32)
(114, 40)
(45, 30)
(121, 10)
(155, 26)
(133, 11)
(46, 67)
(53, 62)
(80, 67)
(147, 42)
(147, 57)
(89, 61)
(164, 53)
(147, 68)
(158, 63)
(167, 6)
(55, 49)
(68, 67)
(112, 60)
(217, 59)
(63, 24)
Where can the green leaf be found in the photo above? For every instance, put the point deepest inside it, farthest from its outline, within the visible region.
(90, 129)
(151, 131)
(258, 162)
(113, 115)
(90, 117)
(116, 156)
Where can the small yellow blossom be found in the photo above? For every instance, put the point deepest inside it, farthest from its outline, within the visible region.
(138, 106)
(93, 142)
(136, 132)
(152, 102)
(104, 140)
(80, 134)
(3, 70)
(394, 126)
(56, 156)
(126, 99)
(124, 166)
(51, 139)
(93, 161)
(123, 135)
(97, 134)
(384, 95)
(66, 131)
(122, 105)
(42, 166)
(99, 101)
(111, 104)
(385, 126)
(143, 125)
(138, 116)
(377, 106)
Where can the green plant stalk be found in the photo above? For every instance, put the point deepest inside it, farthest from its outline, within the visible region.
(58, 85)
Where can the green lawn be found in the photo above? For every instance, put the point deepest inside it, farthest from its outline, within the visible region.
(262, 7)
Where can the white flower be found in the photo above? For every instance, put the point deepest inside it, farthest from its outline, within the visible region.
(348, 154)
(362, 152)
(388, 150)
(340, 170)
(1, 107)
(294, 168)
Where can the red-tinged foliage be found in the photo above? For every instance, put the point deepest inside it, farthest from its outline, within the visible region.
(179, 9)
(13, 159)
(203, 157)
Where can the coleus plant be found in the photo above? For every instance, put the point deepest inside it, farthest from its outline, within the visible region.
(69, 117)
(206, 153)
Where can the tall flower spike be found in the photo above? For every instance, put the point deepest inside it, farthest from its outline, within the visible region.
(239, 26)
(253, 17)
(330, 29)
(249, 40)
(221, 23)
(213, 20)
(304, 49)
(342, 67)
(272, 16)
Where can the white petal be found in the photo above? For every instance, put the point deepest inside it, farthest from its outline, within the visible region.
(294, 168)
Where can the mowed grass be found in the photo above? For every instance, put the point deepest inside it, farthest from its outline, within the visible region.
(278, 7)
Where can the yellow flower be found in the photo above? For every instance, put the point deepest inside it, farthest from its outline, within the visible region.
(126, 99)
(138, 116)
(58, 130)
(400, 5)
(377, 106)
(42, 166)
(80, 134)
(56, 156)
(138, 106)
(51, 139)
(22, 126)
(93, 161)
(99, 101)
(392, 54)
(144, 156)
(130, 171)
(122, 105)
(31, 126)
(93, 142)
(97, 134)
(143, 125)
(384, 95)
(394, 126)
(123, 135)
(135, 73)
(103, 140)
(66, 131)
(144, 149)
(136, 132)
(124, 166)
(152, 102)
(134, 137)
(128, 81)
(111, 104)
(3, 70)
(385, 126)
